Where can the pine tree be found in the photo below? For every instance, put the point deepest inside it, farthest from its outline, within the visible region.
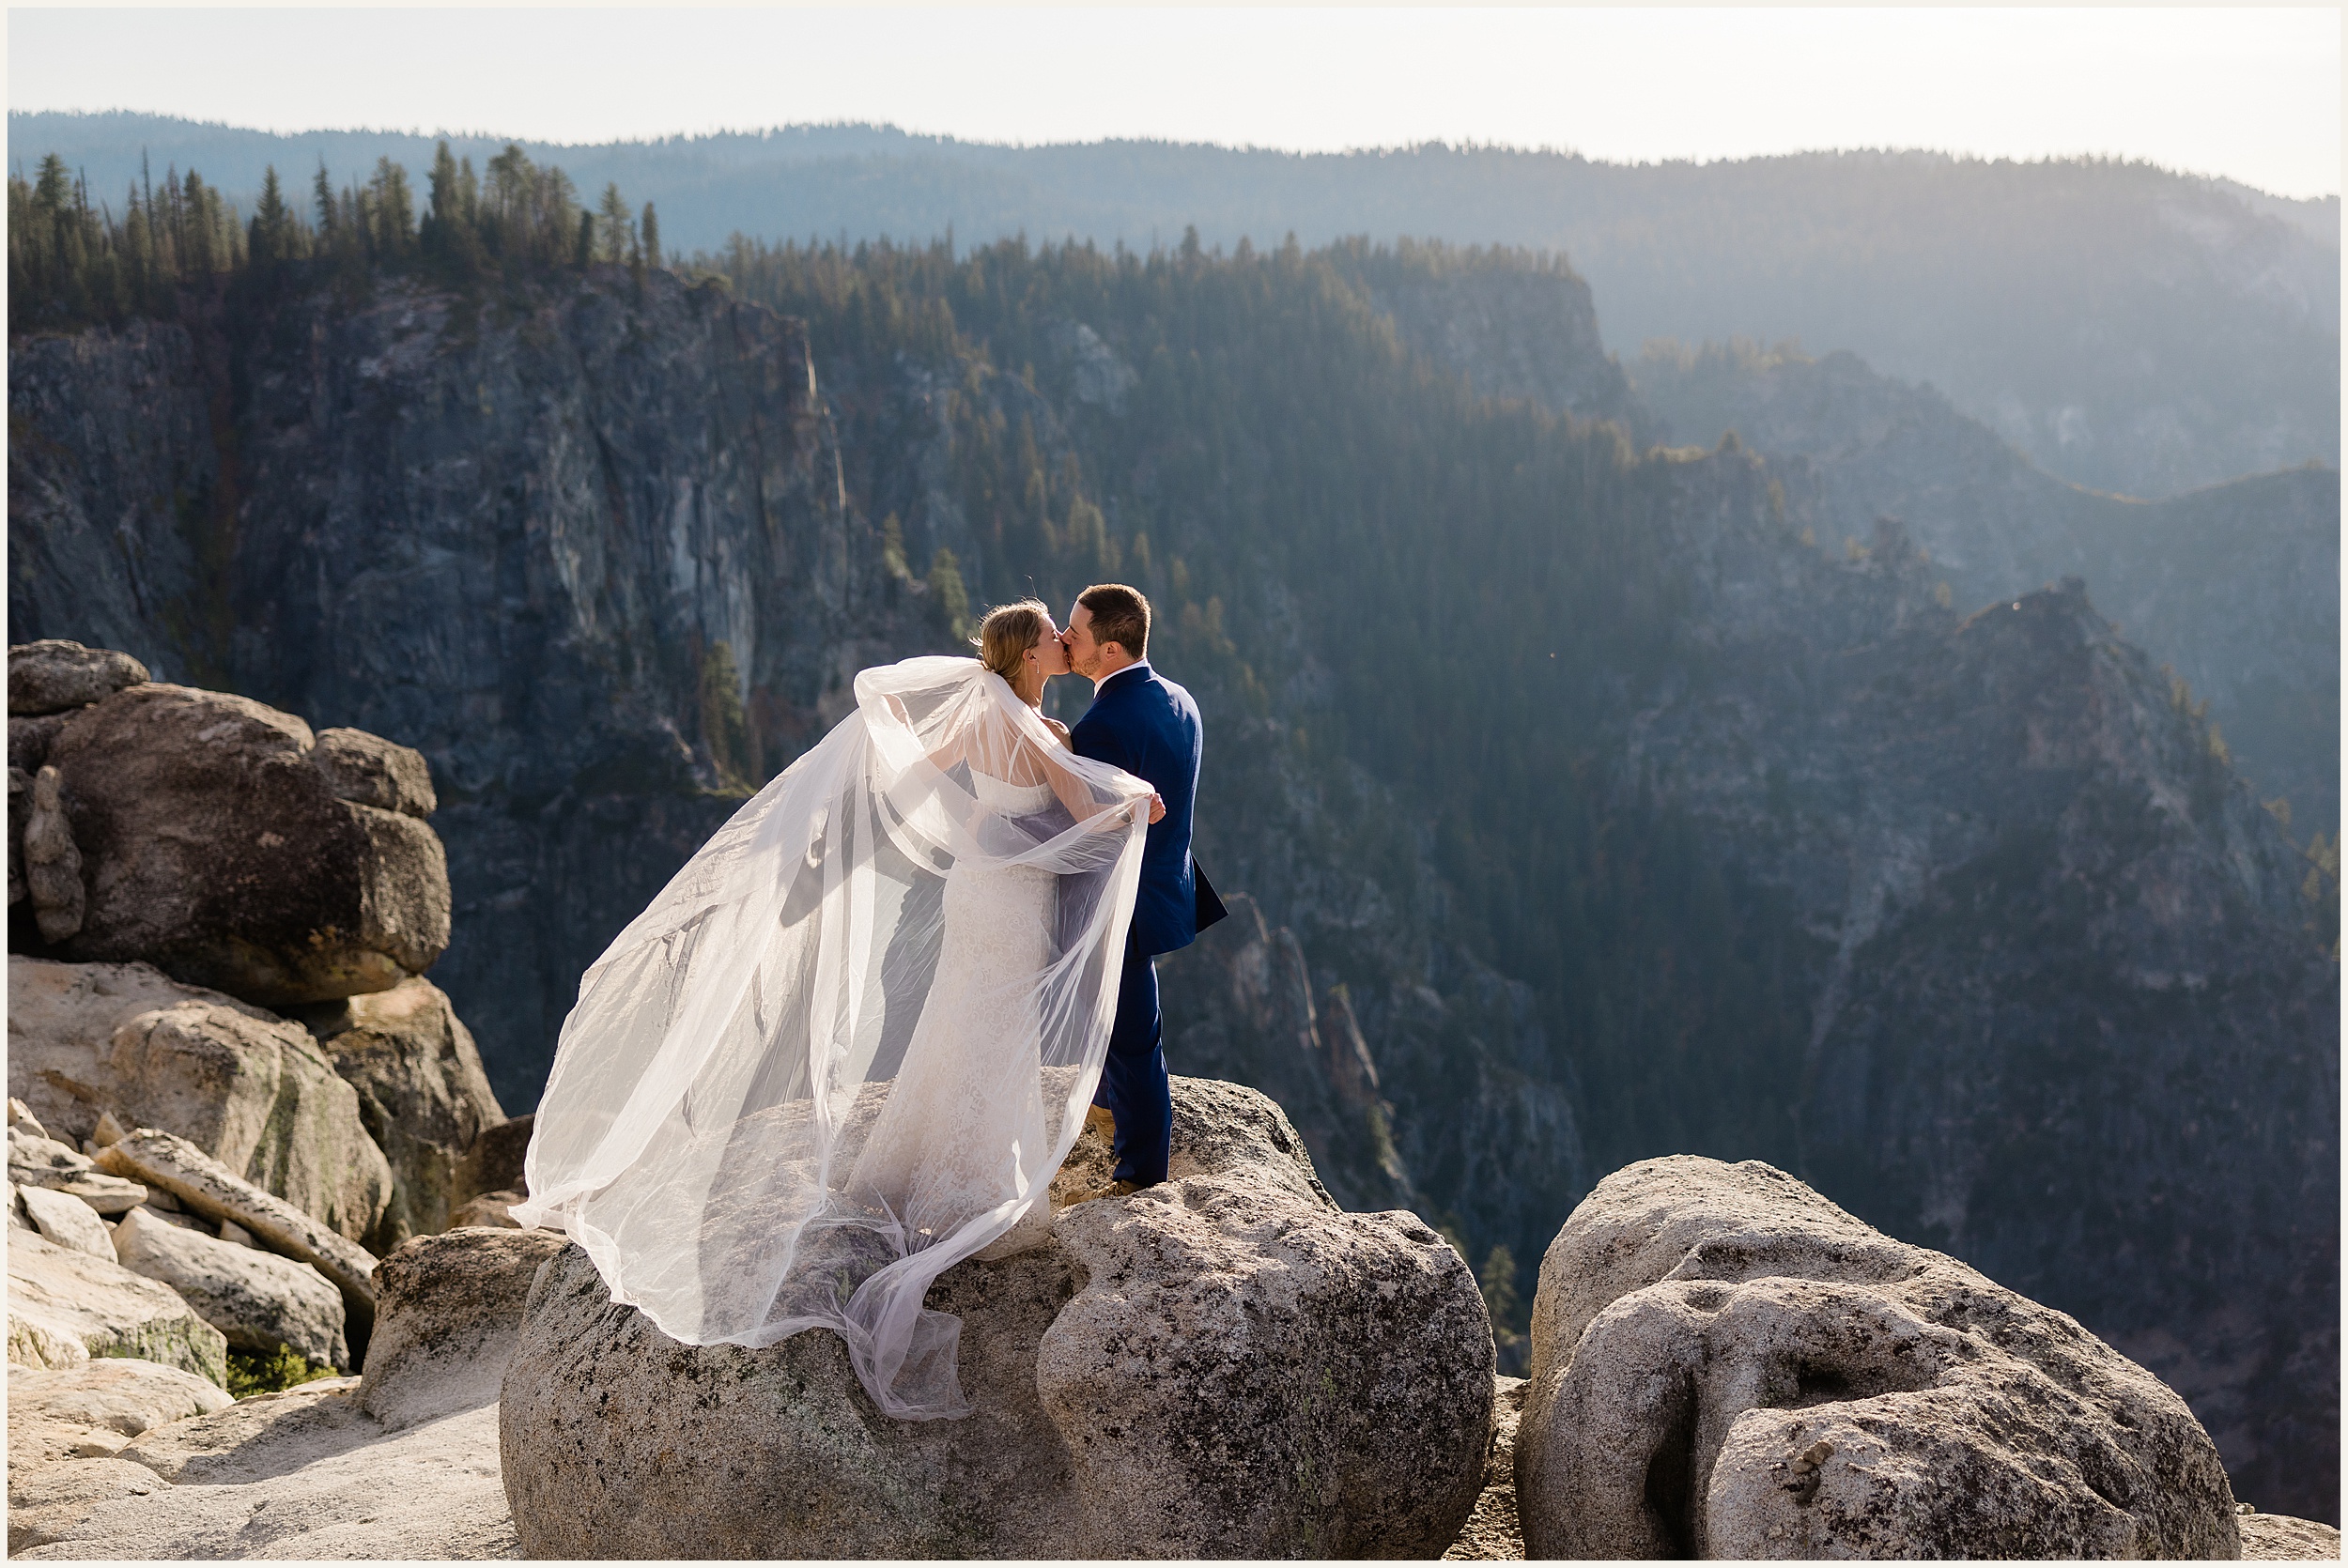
(617, 231)
(444, 200)
(198, 254)
(652, 237)
(271, 238)
(394, 231)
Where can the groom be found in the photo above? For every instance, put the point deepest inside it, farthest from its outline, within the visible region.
(1144, 723)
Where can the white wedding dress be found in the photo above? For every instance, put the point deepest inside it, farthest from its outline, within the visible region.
(970, 1097)
(849, 1044)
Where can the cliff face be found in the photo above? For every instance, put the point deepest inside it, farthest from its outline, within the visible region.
(1513, 330)
(2236, 586)
(2062, 970)
(588, 553)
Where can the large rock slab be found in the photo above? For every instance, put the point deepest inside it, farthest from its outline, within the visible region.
(258, 1436)
(66, 1307)
(422, 1093)
(1726, 1364)
(301, 1474)
(214, 846)
(46, 1501)
(203, 1186)
(494, 1163)
(371, 771)
(35, 1160)
(54, 675)
(1223, 1365)
(65, 1221)
(258, 1299)
(93, 1410)
(253, 1090)
(2280, 1538)
(448, 1315)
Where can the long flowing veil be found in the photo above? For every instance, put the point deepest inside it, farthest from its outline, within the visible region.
(704, 1132)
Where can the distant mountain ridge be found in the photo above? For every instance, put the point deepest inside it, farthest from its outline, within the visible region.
(2236, 586)
(2129, 329)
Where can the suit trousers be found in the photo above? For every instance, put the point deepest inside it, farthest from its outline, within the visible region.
(1132, 1078)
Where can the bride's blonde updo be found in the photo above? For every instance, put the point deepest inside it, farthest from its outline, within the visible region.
(1007, 634)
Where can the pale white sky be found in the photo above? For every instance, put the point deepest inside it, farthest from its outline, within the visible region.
(2250, 93)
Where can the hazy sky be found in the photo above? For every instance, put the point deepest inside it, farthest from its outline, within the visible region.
(2249, 93)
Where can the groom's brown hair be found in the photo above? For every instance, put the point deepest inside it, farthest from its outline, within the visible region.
(1119, 615)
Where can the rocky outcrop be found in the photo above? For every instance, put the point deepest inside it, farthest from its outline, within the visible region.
(448, 1313)
(251, 1090)
(1513, 323)
(54, 676)
(66, 1307)
(201, 1185)
(2278, 1538)
(34, 1161)
(495, 1161)
(92, 1411)
(2236, 585)
(1725, 1364)
(2044, 928)
(51, 861)
(1222, 1365)
(304, 1473)
(1244, 1005)
(65, 1221)
(258, 1300)
(422, 1094)
(491, 1179)
(214, 846)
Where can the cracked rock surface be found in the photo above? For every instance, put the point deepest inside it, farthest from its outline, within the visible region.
(1726, 1364)
(1223, 1365)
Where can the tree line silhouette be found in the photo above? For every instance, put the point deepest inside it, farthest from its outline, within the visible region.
(74, 260)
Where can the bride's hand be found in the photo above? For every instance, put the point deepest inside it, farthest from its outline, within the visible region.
(1157, 808)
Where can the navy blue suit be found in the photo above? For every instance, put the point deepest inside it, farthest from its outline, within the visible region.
(1147, 725)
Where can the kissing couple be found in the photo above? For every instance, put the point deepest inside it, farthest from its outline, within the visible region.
(851, 1041)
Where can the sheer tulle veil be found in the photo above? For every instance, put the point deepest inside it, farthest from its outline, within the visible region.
(930, 907)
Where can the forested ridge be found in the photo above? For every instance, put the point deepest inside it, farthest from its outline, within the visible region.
(1499, 705)
(74, 260)
(2132, 327)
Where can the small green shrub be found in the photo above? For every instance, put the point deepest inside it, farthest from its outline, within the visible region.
(251, 1372)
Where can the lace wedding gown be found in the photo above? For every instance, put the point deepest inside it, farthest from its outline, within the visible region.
(850, 1042)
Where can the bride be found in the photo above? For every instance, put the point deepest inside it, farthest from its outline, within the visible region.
(851, 1041)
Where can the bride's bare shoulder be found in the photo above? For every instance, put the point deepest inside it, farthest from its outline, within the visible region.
(1059, 729)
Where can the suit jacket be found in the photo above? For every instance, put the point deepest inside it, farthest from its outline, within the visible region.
(1144, 723)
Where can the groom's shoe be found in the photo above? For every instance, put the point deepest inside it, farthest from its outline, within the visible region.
(1125, 1188)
